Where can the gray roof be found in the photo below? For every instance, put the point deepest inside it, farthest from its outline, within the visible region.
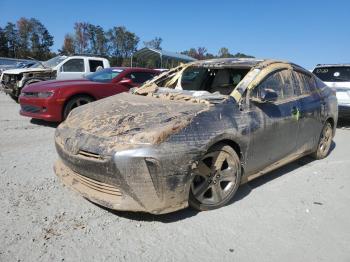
(147, 52)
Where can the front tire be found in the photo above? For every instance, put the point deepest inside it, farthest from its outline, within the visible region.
(15, 98)
(75, 102)
(325, 142)
(216, 178)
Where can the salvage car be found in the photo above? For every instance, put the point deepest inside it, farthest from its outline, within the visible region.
(53, 100)
(193, 134)
(337, 76)
(59, 67)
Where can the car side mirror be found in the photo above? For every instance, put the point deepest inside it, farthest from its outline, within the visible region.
(268, 95)
(125, 81)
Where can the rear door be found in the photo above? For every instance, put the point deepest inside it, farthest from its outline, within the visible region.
(310, 105)
(274, 124)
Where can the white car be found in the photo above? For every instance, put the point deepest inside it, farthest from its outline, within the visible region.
(59, 67)
(337, 76)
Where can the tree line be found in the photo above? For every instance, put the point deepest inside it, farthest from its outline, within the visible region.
(28, 37)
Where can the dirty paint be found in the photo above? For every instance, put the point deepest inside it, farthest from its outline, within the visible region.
(147, 145)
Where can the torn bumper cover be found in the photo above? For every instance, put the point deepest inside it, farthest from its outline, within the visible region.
(130, 180)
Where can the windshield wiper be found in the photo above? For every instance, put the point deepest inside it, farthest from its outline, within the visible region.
(37, 61)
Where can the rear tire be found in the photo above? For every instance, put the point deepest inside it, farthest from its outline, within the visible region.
(325, 142)
(216, 180)
(75, 102)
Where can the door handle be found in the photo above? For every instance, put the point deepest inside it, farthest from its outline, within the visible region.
(295, 113)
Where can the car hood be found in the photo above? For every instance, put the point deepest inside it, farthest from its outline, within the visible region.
(337, 85)
(25, 70)
(130, 119)
(54, 84)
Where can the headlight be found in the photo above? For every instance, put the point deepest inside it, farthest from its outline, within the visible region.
(44, 94)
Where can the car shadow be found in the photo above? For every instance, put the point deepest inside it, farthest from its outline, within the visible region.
(242, 192)
(43, 123)
(147, 217)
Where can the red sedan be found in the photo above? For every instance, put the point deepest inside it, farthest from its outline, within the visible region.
(53, 100)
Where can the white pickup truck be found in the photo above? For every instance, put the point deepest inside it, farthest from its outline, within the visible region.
(337, 77)
(59, 67)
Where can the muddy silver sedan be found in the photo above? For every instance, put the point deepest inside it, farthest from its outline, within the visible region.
(193, 134)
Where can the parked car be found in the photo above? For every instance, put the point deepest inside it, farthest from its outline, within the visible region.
(337, 76)
(53, 100)
(59, 67)
(192, 141)
(15, 64)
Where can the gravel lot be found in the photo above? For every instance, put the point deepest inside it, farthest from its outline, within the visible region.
(297, 213)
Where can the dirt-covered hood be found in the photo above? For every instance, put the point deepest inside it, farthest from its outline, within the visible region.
(128, 118)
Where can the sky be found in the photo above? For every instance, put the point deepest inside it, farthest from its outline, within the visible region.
(304, 32)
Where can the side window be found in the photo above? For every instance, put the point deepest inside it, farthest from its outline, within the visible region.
(74, 65)
(193, 78)
(304, 84)
(140, 77)
(287, 84)
(94, 64)
(274, 82)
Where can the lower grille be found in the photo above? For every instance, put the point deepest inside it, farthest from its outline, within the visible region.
(30, 109)
(96, 186)
(89, 154)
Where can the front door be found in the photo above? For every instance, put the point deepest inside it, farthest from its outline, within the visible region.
(72, 69)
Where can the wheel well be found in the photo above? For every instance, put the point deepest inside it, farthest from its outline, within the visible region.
(33, 80)
(331, 121)
(74, 96)
(232, 144)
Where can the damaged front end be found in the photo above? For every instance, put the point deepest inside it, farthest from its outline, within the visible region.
(13, 81)
(116, 154)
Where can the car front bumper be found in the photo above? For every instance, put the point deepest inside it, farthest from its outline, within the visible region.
(130, 180)
(47, 109)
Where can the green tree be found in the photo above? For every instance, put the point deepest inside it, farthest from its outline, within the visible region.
(122, 43)
(12, 39)
(41, 40)
(68, 47)
(154, 43)
(224, 53)
(241, 55)
(199, 53)
(24, 28)
(97, 40)
(81, 36)
(4, 50)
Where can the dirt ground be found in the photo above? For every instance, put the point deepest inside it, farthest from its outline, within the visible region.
(297, 213)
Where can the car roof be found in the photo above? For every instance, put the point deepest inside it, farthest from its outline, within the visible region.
(90, 57)
(247, 63)
(332, 65)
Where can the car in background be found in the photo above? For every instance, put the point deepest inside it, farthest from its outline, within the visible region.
(20, 64)
(59, 67)
(53, 100)
(193, 134)
(337, 76)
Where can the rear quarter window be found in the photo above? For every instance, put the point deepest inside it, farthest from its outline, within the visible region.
(304, 84)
